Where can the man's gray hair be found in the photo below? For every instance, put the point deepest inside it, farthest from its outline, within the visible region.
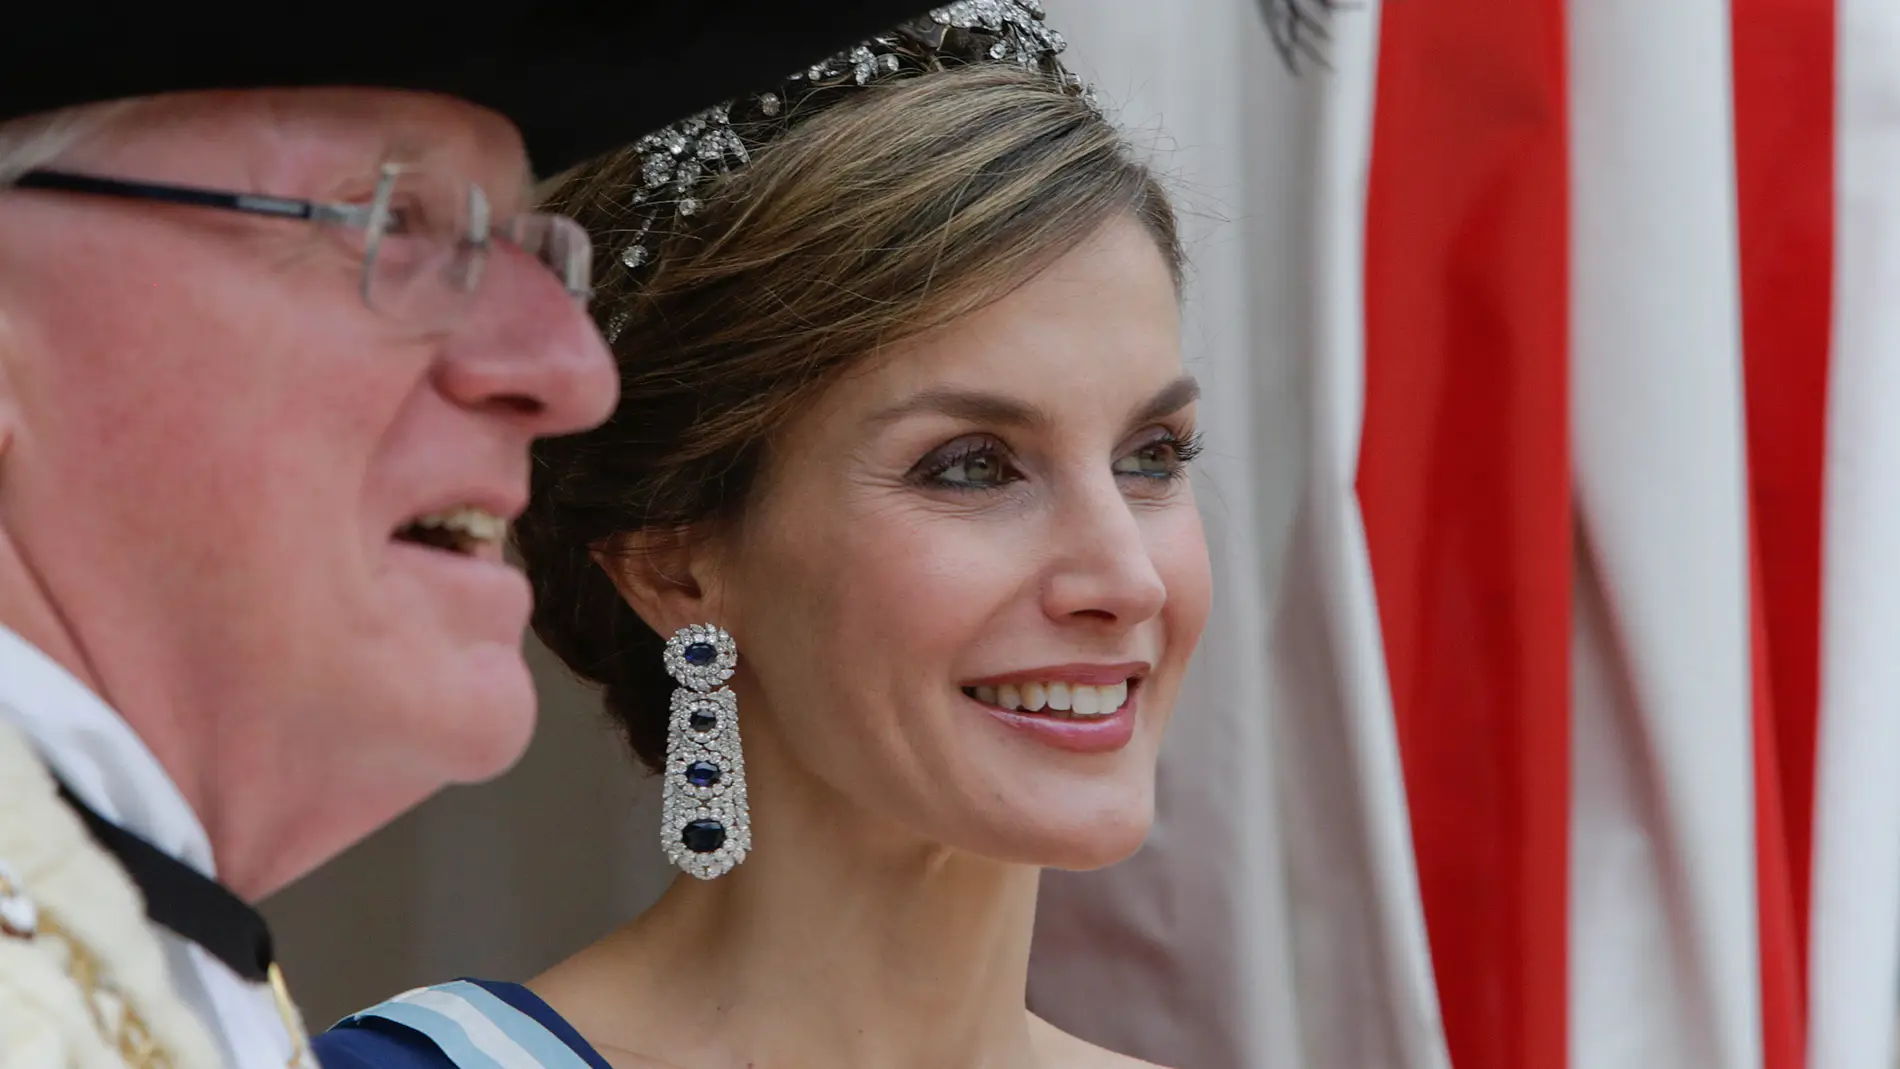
(38, 140)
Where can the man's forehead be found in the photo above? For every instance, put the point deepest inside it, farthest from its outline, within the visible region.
(363, 129)
(304, 141)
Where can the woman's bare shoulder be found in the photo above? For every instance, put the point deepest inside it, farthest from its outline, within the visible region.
(1065, 1051)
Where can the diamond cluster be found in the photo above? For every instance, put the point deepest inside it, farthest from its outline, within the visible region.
(683, 666)
(678, 161)
(673, 163)
(1021, 35)
(705, 824)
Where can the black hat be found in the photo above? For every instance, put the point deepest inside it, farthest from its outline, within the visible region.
(579, 78)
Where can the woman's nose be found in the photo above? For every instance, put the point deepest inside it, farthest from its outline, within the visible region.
(1104, 570)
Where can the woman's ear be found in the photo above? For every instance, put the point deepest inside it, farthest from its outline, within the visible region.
(666, 576)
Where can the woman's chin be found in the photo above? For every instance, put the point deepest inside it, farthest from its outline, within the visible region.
(1099, 855)
(1090, 841)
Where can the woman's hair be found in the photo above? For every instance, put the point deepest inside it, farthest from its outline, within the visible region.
(888, 213)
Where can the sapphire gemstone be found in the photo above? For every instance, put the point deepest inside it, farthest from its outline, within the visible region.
(702, 720)
(702, 774)
(704, 836)
(700, 654)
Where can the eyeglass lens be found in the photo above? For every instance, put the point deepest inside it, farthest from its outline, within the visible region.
(426, 249)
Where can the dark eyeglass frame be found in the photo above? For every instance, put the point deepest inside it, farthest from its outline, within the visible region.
(198, 197)
(372, 217)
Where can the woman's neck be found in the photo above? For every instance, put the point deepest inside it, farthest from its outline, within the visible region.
(838, 943)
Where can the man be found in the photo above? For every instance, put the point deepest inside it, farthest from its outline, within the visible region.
(276, 331)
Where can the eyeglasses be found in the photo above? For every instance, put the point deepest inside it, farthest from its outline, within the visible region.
(424, 238)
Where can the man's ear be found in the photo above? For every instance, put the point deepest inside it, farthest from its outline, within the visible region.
(667, 577)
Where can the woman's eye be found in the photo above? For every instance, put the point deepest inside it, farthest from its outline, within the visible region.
(968, 467)
(977, 469)
(1155, 461)
(1163, 458)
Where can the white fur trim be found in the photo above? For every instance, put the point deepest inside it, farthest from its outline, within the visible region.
(45, 1022)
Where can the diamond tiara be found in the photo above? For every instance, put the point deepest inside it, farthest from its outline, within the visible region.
(677, 162)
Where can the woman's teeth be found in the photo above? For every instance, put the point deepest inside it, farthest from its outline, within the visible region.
(1070, 699)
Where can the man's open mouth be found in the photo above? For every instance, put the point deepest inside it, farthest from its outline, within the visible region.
(467, 531)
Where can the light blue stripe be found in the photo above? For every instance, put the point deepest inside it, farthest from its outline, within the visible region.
(448, 1036)
(483, 1034)
(547, 1048)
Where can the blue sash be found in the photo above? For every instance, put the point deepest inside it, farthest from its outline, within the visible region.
(474, 1029)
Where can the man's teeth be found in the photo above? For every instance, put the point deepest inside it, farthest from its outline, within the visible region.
(1074, 699)
(473, 523)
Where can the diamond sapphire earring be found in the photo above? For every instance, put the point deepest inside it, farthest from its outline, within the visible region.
(705, 827)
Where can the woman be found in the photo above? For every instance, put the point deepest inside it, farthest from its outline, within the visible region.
(896, 483)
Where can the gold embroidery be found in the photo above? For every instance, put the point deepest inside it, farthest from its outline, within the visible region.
(112, 1014)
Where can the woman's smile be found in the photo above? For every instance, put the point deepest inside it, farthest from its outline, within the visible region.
(1081, 708)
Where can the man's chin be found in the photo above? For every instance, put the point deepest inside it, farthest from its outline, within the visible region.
(479, 721)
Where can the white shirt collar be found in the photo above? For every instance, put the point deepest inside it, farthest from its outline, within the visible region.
(96, 753)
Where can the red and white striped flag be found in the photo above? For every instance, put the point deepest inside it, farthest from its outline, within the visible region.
(1590, 649)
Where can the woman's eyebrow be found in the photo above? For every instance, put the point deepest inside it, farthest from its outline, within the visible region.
(982, 406)
(974, 406)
